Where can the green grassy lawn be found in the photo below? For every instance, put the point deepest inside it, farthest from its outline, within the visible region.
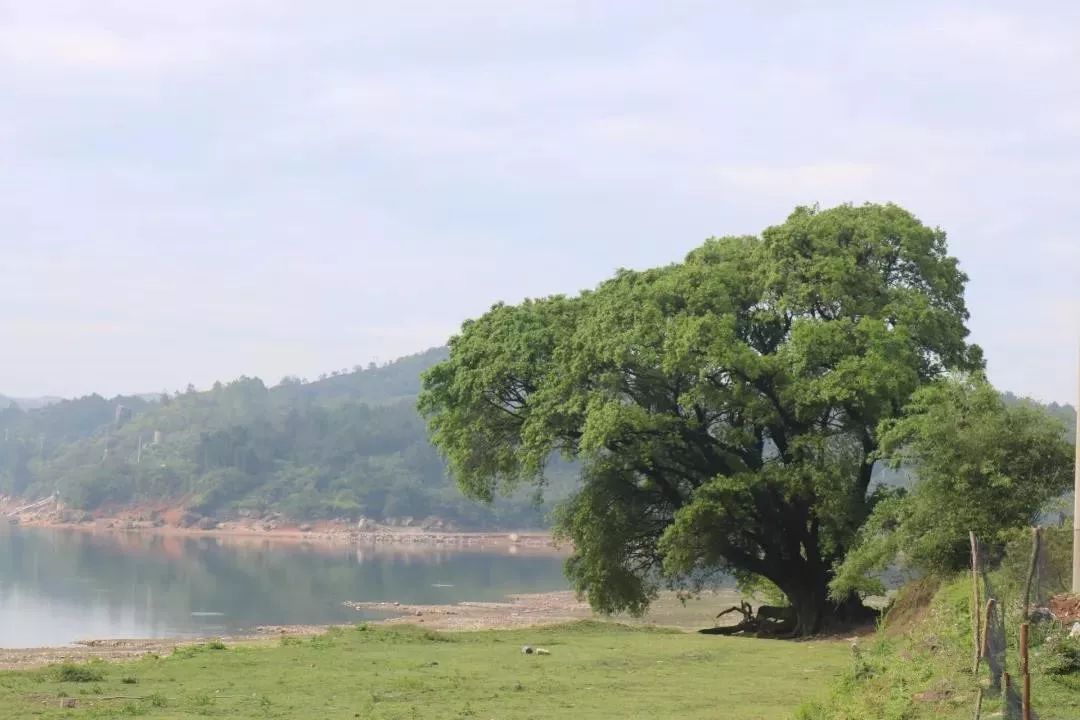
(595, 670)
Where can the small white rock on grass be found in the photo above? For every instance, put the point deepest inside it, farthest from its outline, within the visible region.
(530, 650)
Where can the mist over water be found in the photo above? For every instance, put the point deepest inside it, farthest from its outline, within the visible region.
(61, 585)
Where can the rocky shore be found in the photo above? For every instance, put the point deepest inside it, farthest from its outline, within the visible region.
(517, 611)
(397, 531)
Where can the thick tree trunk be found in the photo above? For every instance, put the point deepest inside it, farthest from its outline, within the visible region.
(815, 611)
(811, 606)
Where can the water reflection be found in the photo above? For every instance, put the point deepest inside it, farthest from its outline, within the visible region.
(59, 585)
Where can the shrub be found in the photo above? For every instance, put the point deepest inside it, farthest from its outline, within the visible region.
(1059, 654)
(70, 672)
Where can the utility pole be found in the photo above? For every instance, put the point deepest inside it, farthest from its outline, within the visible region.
(1076, 494)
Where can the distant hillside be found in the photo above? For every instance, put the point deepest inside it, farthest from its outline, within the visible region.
(375, 386)
(347, 446)
(1064, 413)
(28, 403)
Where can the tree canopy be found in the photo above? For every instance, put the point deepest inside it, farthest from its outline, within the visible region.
(725, 409)
(982, 463)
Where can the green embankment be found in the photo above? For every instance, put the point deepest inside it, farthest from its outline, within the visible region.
(919, 665)
(595, 670)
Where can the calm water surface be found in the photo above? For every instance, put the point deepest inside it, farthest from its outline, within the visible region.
(61, 585)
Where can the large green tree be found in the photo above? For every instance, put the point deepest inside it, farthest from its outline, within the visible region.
(724, 409)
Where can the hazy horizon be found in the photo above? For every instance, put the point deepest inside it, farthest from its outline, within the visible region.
(201, 191)
(269, 382)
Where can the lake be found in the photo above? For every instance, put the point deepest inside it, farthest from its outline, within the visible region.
(58, 585)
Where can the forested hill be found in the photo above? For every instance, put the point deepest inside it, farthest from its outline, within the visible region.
(348, 445)
(1066, 414)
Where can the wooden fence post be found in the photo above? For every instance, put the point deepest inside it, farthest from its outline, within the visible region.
(1006, 690)
(1024, 628)
(984, 651)
(976, 605)
(1036, 544)
(1026, 706)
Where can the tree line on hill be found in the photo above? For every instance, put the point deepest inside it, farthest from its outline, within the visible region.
(347, 446)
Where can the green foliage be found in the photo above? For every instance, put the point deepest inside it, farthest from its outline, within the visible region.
(982, 465)
(724, 409)
(760, 589)
(349, 446)
(1055, 569)
(918, 666)
(1059, 654)
(70, 672)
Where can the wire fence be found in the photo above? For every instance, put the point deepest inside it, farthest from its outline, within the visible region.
(993, 600)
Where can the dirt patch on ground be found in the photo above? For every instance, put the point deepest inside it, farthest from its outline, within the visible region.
(120, 650)
(910, 605)
(112, 650)
(552, 608)
(1066, 607)
(518, 611)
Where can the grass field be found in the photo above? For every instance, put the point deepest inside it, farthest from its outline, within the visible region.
(595, 670)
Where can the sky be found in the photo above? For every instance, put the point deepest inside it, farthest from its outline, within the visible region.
(194, 191)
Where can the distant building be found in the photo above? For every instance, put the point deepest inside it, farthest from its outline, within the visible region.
(123, 414)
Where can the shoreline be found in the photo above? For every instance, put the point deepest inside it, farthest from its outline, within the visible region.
(321, 534)
(517, 611)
